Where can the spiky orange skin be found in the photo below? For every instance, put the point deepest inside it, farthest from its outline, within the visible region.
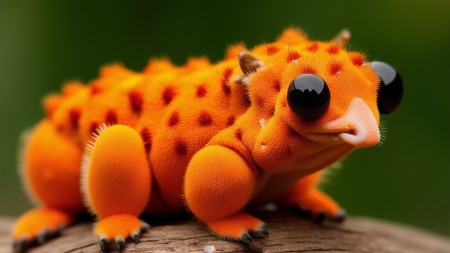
(253, 138)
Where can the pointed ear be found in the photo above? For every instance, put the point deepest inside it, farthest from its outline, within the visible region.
(249, 64)
(342, 38)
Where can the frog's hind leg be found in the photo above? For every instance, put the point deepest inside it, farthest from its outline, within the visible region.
(116, 184)
(310, 202)
(50, 165)
(218, 185)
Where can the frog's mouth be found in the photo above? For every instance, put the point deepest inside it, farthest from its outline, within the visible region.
(357, 127)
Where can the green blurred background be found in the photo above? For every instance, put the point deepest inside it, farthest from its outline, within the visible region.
(407, 179)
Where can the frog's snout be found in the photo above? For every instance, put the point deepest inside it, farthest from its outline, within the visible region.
(362, 126)
(357, 127)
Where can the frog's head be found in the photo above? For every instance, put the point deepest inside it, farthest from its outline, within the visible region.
(315, 101)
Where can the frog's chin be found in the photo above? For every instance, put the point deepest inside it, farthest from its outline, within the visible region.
(309, 162)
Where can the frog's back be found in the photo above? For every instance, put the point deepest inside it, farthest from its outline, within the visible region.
(176, 110)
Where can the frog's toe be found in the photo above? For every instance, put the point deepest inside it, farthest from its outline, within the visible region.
(239, 227)
(319, 216)
(20, 245)
(37, 226)
(246, 238)
(115, 230)
(118, 244)
(25, 242)
(339, 217)
(260, 231)
(248, 235)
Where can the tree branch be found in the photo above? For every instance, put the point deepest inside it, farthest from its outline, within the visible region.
(288, 233)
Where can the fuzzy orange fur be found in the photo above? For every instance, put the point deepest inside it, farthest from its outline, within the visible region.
(209, 136)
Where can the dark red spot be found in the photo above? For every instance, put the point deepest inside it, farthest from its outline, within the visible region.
(276, 85)
(238, 134)
(289, 151)
(335, 68)
(272, 50)
(180, 147)
(95, 90)
(225, 81)
(357, 59)
(60, 128)
(309, 70)
(146, 138)
(111, 117)
(201, 91)
(74, 117)
(136, 101)
(168, 95)
(93, 128)
(204, 119)
(292, 132)
(247, 101)
(173, 119)
(333, 50)
(230, 120)
(260, 101)
(292, 55)
(313, 47)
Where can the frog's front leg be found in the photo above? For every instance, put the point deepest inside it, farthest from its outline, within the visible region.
(218, 185)
(51, 171)
(116, 184)
(308, 201)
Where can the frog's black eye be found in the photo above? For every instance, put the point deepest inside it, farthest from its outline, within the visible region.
(308, 96)
(390, 88)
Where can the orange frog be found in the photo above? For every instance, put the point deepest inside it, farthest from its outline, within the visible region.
(255, 128)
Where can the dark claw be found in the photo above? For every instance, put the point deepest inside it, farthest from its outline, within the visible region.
(246, 238)
(42, 236)
(120, 243)
(340, 217)
(59, 229)
(20, 245)
(262, 230)
(104, 243)
(145, 226)
(320, 217)
(135, 237)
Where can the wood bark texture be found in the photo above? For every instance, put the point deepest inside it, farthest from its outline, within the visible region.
(288, 233)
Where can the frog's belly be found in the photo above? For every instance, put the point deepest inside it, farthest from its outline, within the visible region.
(273, 186)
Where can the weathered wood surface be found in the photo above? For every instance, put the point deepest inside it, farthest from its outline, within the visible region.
(288, 233)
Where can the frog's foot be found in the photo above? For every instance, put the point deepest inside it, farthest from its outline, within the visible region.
(319, 216)
(39, 225)
(115, 230)
(239, 227)
(318, 206)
